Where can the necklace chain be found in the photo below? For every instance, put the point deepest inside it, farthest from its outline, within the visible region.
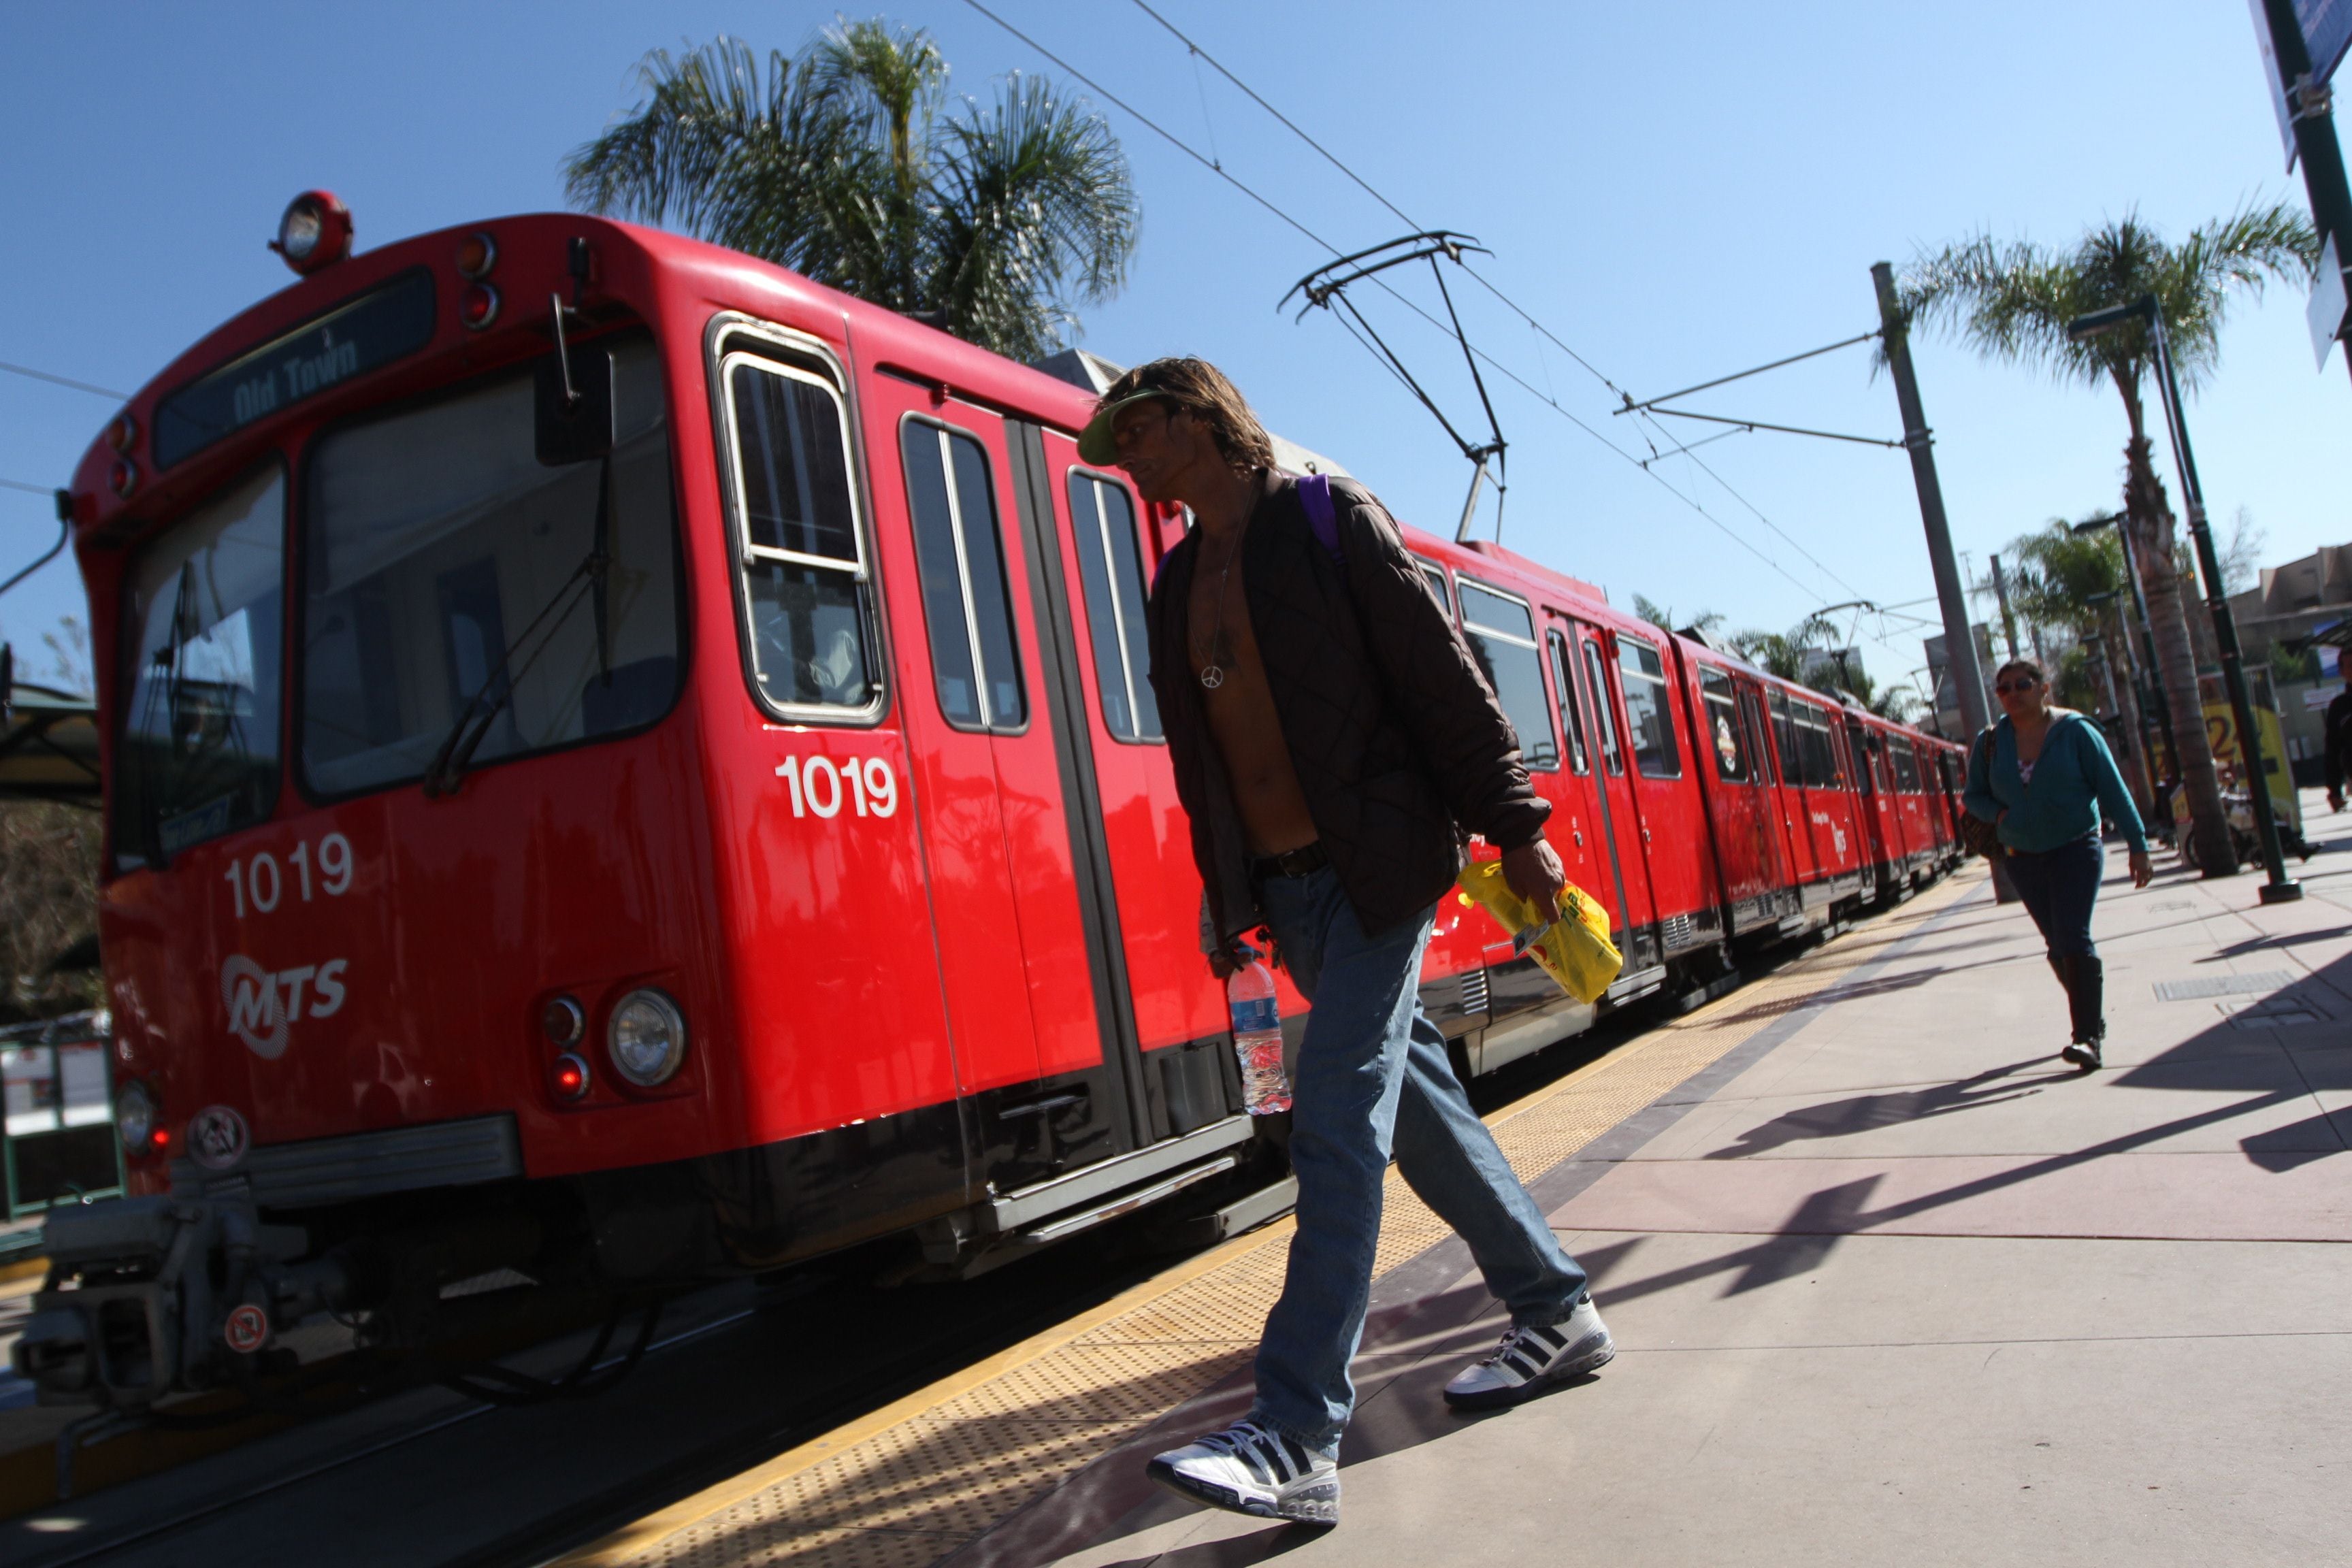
(1212, 673)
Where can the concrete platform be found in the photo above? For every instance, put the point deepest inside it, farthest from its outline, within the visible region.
(1890, 1283)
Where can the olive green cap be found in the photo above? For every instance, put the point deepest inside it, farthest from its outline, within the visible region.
(1094, 443)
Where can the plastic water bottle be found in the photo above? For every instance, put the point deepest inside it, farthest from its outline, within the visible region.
(1257, 1037)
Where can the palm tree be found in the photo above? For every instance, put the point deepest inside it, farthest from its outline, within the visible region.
(2012, 302)
(2076, 581)
(1805, 654)
(849, 166)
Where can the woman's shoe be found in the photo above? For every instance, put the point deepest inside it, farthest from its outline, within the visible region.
(2083, 1055)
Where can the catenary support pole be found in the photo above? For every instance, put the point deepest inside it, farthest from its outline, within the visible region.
(2314, 133)
(1960, 644)
(1960, 665)
(2281, 887)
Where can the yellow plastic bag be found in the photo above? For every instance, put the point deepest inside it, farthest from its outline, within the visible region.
(1574, 950)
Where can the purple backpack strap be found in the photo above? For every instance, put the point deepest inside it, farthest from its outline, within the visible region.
(1315, 495)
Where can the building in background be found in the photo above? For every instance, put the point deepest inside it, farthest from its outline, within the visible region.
(2275, 620)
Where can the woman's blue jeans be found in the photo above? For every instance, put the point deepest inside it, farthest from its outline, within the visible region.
(1373, 1078)
(2059, 888)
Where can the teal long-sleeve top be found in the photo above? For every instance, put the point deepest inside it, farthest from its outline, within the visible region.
(2074, 779)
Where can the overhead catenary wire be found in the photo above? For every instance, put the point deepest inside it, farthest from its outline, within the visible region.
(27, 371)
(1212, 167)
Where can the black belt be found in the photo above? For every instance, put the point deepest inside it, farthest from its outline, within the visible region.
(1300, 862)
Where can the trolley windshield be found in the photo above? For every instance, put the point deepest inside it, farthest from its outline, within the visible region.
(450, 577)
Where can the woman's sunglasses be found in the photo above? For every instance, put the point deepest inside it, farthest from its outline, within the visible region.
(2004, 687)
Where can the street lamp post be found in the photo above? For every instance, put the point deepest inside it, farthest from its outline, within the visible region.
(2281, 887)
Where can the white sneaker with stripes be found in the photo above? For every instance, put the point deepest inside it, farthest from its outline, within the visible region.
(1530, 1360)
(1252, 1469)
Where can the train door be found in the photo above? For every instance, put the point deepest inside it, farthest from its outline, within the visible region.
(1796, 816)
(1882, 833)
(1146, 904)
(1672, 819)
(1744, 828)
(982, 653)
(1621, 821)
(1579, 828)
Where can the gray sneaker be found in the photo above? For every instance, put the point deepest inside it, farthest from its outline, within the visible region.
(1252, 1469)
(1532, 1359)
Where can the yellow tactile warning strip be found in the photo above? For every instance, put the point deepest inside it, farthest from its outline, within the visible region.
(910, 1483)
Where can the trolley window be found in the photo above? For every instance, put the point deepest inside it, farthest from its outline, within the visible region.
(1816, 762)
(1724, 728)
(1647, 710)
(1784, 741)
(807, 607)
(959, 553)
(1436, 577)
(1868, 773)
(1604, 720)
(451, 578)
(1752, 704)
(1572, 713)
(196, 752)
(1907, 766)
(1112, 570)
(1502, 637)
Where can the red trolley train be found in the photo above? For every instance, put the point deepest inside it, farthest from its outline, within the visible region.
(624, 765)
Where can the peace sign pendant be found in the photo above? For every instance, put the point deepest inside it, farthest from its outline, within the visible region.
(1212, 677)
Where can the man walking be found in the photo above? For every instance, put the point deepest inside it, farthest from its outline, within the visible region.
(1328, 729)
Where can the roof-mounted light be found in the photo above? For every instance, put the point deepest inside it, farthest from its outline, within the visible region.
(476, 254)
(315, 232)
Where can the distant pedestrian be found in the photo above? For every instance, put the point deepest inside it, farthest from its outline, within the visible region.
(2041, 775)
(1328, 729)
(2336, 745)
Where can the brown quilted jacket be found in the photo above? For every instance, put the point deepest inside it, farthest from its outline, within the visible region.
(1393, 732)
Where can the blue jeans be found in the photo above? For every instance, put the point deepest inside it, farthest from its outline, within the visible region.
(1373, 1078)
(2058, 888)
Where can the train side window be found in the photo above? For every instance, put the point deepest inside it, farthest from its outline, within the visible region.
(1604, 723)
(1731, 760)
(1112, 569)
(1436, 575)
(1572, 713)
(1784, 740)
(1502, 637)
(1864, 746)
(195, 746)
(960, 553)
(1647, 710)
(1752, 704)
(1906, 767)
(805, 597)
(1816, 758)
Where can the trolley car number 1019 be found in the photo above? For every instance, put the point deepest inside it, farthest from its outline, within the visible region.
(820, 785)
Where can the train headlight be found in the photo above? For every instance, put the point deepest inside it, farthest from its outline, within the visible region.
(315, 231)
(134, 1116)
(647, 1038)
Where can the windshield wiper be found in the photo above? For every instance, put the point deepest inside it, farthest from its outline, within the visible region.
(473, 725)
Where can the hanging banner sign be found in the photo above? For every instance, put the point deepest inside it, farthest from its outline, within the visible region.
(2271, 79)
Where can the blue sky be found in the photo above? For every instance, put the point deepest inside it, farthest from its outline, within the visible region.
(1674, 192)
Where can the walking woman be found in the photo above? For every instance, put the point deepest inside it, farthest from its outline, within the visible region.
(2041, 776)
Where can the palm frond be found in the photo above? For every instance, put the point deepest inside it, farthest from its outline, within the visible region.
(1034, 208)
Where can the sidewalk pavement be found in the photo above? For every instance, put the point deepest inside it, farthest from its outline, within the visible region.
(1892, 1284)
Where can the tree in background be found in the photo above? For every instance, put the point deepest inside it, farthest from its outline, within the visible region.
(2013, 301)
(2075, 582)
(850, 165)
(1661, 615)
(1808, 653)
(48, 907)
